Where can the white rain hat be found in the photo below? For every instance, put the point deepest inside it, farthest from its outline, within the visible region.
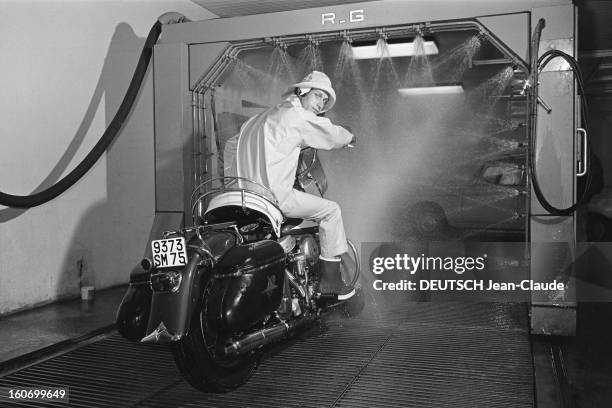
(317, 80)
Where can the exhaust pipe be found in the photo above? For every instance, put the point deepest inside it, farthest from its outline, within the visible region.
(263, 337)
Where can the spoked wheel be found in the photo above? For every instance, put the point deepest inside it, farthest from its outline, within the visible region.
(350, 267)
(350, 275)
(201, 361)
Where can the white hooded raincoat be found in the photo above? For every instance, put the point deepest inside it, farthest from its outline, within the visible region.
(267, 150)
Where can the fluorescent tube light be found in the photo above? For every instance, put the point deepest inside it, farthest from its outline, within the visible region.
(405, 49)
(432, 90)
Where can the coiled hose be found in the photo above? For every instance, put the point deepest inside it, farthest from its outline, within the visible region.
(537, 65)
(111, 131)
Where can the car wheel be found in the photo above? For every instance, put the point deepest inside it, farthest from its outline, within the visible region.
(428, 219)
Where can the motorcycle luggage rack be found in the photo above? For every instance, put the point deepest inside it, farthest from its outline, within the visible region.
(199, 229)
(225, 187)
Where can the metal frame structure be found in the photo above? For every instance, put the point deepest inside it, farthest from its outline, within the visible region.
(190, 57)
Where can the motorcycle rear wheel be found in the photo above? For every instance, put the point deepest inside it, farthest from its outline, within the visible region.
(199, 361)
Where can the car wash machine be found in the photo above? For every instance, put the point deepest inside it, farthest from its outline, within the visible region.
(209, 76)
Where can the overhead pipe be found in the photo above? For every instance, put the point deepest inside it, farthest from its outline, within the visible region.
(210, 77)
(196, 132)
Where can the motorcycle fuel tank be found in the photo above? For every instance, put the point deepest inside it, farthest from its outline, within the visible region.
(247, 286)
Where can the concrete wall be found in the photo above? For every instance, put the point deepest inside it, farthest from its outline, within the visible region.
(65, 67)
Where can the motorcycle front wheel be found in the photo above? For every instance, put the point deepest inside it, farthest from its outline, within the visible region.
(199, 359)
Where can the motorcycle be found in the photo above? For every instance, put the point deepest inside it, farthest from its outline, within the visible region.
(241, 280)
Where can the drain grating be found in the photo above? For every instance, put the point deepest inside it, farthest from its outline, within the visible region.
(415, 355)
(428, 365)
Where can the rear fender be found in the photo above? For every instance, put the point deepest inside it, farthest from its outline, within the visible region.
(171, 312)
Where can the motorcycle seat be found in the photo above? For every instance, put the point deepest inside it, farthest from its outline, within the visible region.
(289, 224)
(298, 226)
(293, 222)
(245, 204)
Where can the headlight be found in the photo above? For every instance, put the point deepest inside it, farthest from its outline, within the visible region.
(168, 281)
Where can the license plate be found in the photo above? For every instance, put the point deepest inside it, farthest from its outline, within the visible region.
(169, 252)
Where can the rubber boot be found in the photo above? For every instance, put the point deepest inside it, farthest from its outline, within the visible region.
(348, 268)
(329, 272)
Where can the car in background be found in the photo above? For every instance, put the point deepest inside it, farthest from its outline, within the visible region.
(493, 203)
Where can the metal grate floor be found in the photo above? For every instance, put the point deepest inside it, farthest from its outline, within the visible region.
(414, 355)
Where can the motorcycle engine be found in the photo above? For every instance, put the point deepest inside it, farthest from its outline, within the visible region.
(303, 252)
(288, 243)
(310, 248)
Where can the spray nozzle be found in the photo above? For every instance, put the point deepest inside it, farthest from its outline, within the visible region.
(526, 86)
(418, 29)
(312, 40)
(382, 34)
(345, 37)
(276, 42)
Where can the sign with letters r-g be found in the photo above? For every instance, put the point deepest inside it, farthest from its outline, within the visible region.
(354, 16)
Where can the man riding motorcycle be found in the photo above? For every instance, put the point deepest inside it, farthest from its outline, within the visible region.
(267, 150)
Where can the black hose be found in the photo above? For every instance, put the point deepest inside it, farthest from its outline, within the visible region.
(541, 63)
(107, 138)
